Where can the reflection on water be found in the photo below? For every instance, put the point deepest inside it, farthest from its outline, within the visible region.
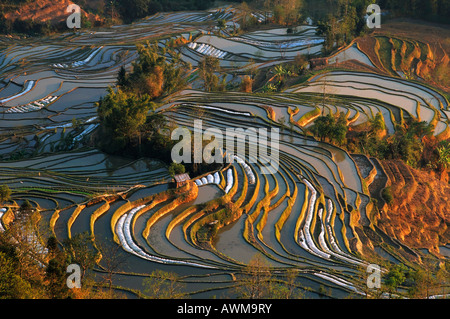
(445, 250)
(114, 163)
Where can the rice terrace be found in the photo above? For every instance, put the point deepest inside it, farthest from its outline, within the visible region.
(356, 204)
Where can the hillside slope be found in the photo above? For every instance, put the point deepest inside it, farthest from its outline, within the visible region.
(419, 214)
(45, 11)
(412, 49)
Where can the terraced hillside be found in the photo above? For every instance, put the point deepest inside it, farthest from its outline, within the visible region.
(402, 50)
(315, 213)
(418, 214)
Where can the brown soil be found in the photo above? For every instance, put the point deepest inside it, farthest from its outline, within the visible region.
(419, 215)
(45, 10)
(367, 45)
(357, 66)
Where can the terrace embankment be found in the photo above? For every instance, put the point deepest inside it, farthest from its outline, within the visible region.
(410, 48)
(419, 214)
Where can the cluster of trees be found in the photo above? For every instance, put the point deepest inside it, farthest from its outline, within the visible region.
(344, 23)
(431, 279)
(28, 271)
(281, 12)
(157, 72)
(130, 124)
(257, 281)
(129, 121)
(283, 73)
(431, 10)
(176, 168)
(331, 128)
(32, 269)
(131, 10)
(284, 12)
(413, 140)
(208, 70)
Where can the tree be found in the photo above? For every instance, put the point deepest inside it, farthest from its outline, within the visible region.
(122, 77)
(282, 122)
(246, 84)
(26, 207)
(418, 129)
(331, 127)
(377, 124)
(279, 14)
(133, 9)
(129, 122)
(112, 259)
(387, 194)
(176, 168)
(256, 278)
(207, 68)
(52, 246)
(286, 289)
(443, 276)
(163, 285)
(81, 251)
(245, 9)
(284, 11)
(122, 115)
(153, 74)
(21, 236)
(395, 277)
(55, 273)
(12, 286)
(5, 193)
(339, 129)
(221, 23)
(406, 143)
(348, 27)
(443, 151)
(322, 126)
(5, 25)
(279, 73)
(22, 250)
(174, 73)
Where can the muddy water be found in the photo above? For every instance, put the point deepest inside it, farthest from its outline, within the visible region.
(206, 193)
(61, 223)
(82, 223)
(231, 242)
(102, 226)
(268, 232)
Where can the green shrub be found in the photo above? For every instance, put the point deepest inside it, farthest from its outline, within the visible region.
(5, 193)
(387, 195)
(176, 168)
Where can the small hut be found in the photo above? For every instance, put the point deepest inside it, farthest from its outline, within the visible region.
(181, 179)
